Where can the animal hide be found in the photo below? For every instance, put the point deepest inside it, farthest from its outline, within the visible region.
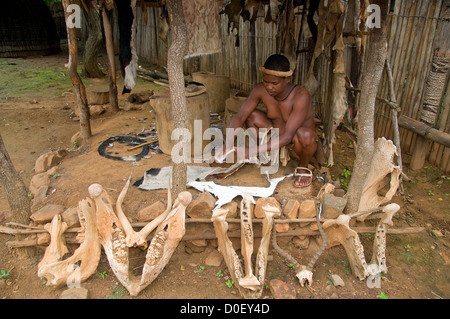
(203, 27)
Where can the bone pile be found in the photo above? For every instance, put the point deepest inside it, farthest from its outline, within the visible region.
(102, 226)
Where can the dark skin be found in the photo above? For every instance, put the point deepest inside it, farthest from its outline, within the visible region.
(289, 109)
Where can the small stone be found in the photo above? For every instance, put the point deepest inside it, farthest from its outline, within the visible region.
(151, 212)
(290, 210)
(339, 203)
(282, 227)
(75, 293)
(307, 209)
(300, 242)
(48, 160)
(202, 206)
(215, 258)
(437, 233)
(46, 213)
(38, 181)
(70, 217)
(96, 110)
(258, 211)
(337, 280)
(282, 290)
(232, 209)
(195, 246)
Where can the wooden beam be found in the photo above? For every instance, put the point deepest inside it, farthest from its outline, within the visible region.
(424, 130)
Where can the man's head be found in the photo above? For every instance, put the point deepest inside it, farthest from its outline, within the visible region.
(276, 74)
(277, 62)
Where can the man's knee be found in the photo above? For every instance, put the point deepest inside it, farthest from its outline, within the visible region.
(306, 137)
(257, 119)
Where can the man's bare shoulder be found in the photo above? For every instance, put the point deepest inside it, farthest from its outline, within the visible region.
(302, 91)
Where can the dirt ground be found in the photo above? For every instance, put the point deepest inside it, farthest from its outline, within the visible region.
(36, 116)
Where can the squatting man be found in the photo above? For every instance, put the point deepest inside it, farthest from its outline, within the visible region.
(289, 112)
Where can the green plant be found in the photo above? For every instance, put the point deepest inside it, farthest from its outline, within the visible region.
(344, 175)
(382, 295)
(74, 146)
(117, 293)
(229, 283)
(406, 253)
(103, 274)
(219, 274)
(201, 268)
(4, 274)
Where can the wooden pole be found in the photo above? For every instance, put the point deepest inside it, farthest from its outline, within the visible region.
(435, 87)
(424, 130)
(113, 100)
(80, 90)
(175, 57)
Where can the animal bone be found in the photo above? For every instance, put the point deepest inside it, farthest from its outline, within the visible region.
(249, 281)
(304, 273)
(379, 244)
(304, 276)
(134, 239)
(57, 248)
(84, 261)
(113, 239)
(249, 286)
(225, 246)
(338, 231)
(382, 165)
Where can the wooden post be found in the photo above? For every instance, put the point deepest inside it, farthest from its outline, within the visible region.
(435, 87)
(393, 99)
(80, 90)
(113, 100)
(175, 56)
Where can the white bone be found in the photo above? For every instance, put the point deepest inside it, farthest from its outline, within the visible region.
(57, 247)
(249, 281)
(249, 286)
(338, 231)
(134, 239)
(379, 244)
(381, 167)
(304, 276)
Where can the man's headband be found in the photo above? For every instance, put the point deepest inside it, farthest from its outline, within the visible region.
(281, 74)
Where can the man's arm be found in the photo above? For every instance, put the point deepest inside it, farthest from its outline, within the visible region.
(247, 108)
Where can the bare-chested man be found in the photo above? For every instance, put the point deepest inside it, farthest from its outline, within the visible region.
(289, 109)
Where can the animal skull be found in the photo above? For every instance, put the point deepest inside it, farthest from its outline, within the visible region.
(304, 276)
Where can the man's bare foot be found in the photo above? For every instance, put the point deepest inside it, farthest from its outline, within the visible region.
(303, 177)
